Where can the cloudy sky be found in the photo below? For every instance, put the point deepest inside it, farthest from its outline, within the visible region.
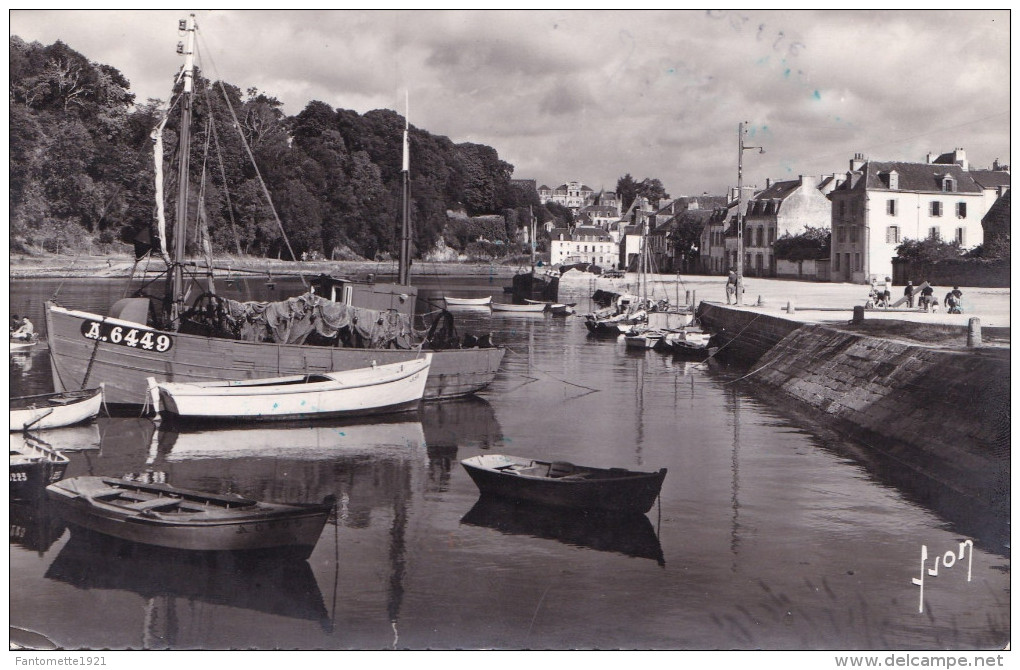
(592, 95)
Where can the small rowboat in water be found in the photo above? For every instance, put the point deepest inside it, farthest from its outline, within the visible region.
(556, 308)
(468, 302)
(55, 410)
(18, 343)
(165, 516)
(375, 390)
(563, 484)
(33, 466)
(509, 307)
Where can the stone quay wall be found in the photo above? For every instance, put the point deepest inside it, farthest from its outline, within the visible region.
(942, 412)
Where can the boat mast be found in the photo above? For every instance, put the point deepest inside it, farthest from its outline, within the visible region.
(180, 229)
(404, 271)
(531, 232)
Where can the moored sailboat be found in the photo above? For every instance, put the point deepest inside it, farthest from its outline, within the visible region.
(171, 341)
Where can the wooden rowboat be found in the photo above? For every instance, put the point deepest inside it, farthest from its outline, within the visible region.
(166, 516)
(563, 484)
(691, 345)
(33, 466)
(55, 410)
(18, 343)
(468, 302)
(375, 390)
(526, 308)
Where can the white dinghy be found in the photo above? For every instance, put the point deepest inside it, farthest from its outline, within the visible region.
(374, 390)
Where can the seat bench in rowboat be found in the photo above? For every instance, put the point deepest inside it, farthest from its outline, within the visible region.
(564, 484)
(166, 516)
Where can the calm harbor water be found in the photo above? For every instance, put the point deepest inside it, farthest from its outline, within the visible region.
(769, 534)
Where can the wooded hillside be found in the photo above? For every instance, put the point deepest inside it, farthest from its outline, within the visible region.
(82, 170)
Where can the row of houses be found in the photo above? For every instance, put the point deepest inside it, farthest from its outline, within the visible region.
(870, 209)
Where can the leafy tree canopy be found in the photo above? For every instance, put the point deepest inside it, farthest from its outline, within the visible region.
(812, 244)
(82, 168)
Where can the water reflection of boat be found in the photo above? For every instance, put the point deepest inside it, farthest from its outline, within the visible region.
(290, 461)
(35, 526)
(631, 535)
(295, 440)
(73, 438)
(280, 586)
(465, 422)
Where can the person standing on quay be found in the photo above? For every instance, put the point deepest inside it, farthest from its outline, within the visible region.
(888, 291)
(731, 285)
(908, 292)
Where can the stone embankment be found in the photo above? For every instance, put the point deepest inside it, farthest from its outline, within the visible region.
(943, 412)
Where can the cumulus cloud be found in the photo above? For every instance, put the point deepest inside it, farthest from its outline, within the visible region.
(591, 95)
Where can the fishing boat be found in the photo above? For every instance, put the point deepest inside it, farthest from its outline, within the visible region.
(373, 390)
(55, 410)
(563, 484)
(532, 308)
(202, 341)
(33, 466)
(536, 283)
(468, 302)
(166, 516)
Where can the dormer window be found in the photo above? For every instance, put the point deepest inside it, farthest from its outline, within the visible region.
(894, 180)
(948, 184)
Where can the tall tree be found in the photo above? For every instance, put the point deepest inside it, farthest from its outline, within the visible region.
(626, 190)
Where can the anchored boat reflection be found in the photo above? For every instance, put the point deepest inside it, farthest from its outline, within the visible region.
(35, 525)
(273, 585)
(631, 534)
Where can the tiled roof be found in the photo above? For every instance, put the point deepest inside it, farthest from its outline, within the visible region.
(780, 190)
(990, 178)
(912, 177)
(590, 231)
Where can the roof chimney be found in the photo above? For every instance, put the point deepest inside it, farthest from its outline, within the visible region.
(960, 158)
(768, 182)
(932, 157)
(857, 162)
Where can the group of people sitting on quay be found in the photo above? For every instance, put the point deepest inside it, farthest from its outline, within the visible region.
(880, 297)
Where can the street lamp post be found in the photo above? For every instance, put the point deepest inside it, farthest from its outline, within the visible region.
(740, 209)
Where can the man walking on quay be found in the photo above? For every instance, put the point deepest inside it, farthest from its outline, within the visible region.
(731, 285)
(909, 293)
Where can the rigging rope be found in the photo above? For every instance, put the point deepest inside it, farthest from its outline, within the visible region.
(258, 173)
(223, 176)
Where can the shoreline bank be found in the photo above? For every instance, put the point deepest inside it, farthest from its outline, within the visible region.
(120, 267)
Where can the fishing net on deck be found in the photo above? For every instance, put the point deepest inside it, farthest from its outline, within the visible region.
(294, 320)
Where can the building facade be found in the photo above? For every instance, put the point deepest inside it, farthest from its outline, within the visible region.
(572, 194)
(783, 207)
(584, 244)
(880, 204)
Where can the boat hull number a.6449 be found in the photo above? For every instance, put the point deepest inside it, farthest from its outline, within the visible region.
(126, 336)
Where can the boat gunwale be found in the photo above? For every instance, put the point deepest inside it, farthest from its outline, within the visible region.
(277, 385)
(630, 476)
